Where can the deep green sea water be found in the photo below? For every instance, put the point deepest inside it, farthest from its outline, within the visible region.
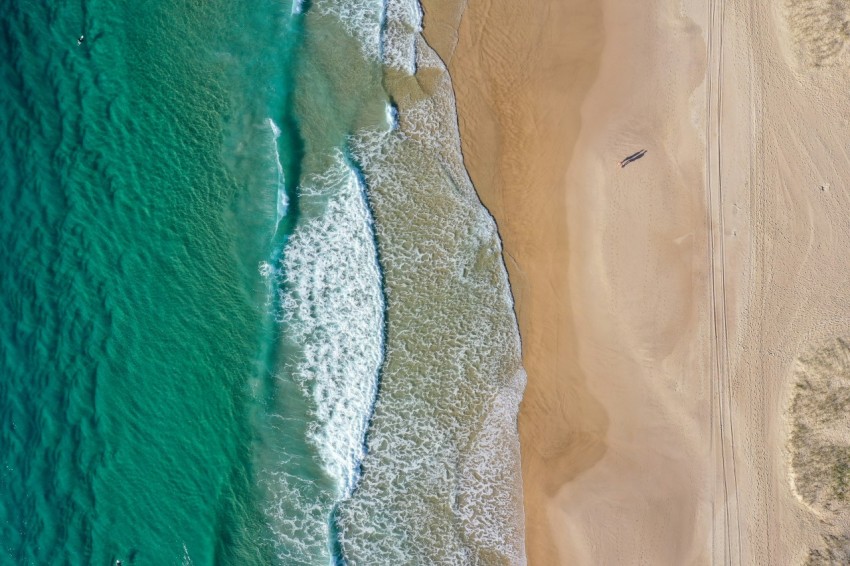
(252, 312)
(128, 244)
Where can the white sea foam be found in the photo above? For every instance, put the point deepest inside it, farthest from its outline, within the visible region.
(299, 519)
(403, 21)
(491, 513)
(282, 201)
(333, 312)
(275, 130)
(265, 269)
(391, 116)
(362, 19)
(331, 309)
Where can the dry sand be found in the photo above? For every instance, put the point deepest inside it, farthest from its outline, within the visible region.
(668, 308)
(785, 185)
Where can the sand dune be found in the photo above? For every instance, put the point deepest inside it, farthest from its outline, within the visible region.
(820, 30)
(820, 429)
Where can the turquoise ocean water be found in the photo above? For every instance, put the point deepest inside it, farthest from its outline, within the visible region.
(252, 310)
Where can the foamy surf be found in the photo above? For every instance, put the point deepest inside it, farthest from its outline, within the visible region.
(361, 19)
(443, 482)
(426, 471)
(331, 308)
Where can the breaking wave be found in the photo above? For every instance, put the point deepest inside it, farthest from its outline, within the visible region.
(332, 308)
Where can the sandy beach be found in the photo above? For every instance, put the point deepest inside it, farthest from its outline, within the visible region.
(666, 307)
(520, 73)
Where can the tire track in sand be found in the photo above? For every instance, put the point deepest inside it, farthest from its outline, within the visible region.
(721, 411)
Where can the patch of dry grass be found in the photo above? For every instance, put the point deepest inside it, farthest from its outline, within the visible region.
(820, 29)
(820, 428)
(836, 550)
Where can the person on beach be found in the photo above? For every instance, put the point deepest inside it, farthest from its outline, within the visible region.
(633, 157)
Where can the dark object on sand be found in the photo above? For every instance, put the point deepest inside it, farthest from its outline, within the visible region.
(633, 157)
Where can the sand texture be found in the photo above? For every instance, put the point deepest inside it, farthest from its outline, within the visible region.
(684, 318)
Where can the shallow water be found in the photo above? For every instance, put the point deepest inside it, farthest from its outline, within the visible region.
(253, 310)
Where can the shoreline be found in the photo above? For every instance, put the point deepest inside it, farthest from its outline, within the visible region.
(539, 97)
(562, 426)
